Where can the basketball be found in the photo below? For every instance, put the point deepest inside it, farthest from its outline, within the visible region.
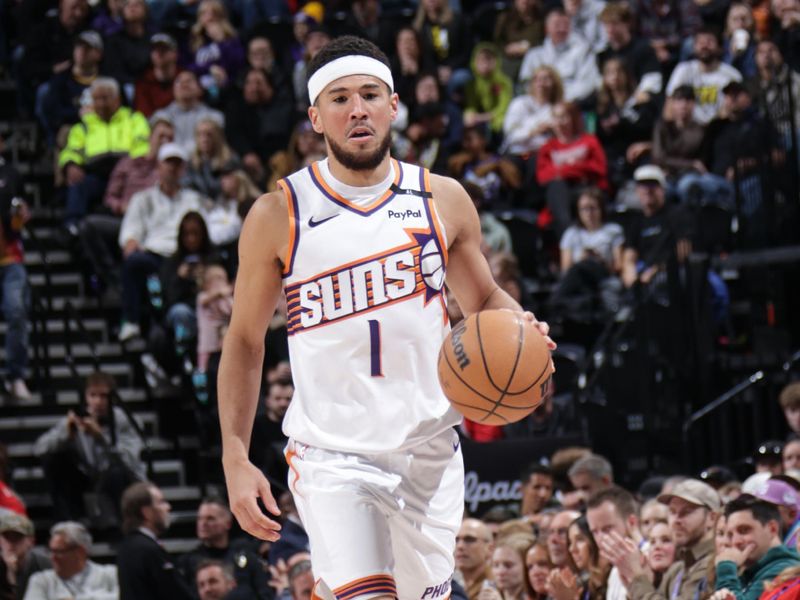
(495, 367)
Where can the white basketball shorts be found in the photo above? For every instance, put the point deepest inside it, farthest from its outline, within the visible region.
(381, 524)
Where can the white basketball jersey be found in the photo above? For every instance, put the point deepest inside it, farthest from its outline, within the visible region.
(364, 286)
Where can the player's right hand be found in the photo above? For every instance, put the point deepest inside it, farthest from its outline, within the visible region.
(246, 484)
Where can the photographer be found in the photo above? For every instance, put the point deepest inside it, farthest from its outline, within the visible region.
(94, 450)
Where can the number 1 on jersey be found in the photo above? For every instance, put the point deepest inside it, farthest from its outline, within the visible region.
(375, 366)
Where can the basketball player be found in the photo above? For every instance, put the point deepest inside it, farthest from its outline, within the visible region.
(359, 243)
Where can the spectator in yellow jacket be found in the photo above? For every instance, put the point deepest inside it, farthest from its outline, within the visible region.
(106, 132)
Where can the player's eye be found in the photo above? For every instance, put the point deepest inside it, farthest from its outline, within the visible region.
(370, 96)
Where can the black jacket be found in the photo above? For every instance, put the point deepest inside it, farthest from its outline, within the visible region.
(146, 572)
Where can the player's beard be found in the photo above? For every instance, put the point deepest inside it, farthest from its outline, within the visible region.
(361, 162)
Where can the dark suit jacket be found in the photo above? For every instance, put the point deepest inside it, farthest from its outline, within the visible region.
(147, 572)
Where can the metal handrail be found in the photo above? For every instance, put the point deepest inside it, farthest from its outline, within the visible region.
(755, 379)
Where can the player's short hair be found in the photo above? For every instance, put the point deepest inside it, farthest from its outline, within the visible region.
(763, 512)
(623, 501)
(593, 464)
(346, 45)
(790, 396)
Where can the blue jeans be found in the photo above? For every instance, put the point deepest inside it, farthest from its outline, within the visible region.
(706, 188)
(182, 318)
(16, 300)
(81, 196)
(135, 271)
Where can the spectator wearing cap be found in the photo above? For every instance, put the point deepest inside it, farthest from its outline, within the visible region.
(635, 51)
(211, 152)
(755, 555)
(187, 110)
(65, 97)
(678, 148)
(21, 559)
(258, 121)
(784, 496)
(99, 232)
(659, 233)
(47, 46)
(789, 400)
(149, 231)
(707, 75)
(767, 457)
(741, 146)
(693, 509)
(128, 51)
(568, 54)
(73, 575)
(95, 144)
(154, 88)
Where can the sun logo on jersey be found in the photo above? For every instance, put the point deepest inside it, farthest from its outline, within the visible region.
(396, 275)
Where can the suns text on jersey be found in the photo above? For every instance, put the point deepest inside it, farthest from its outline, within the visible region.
(354, 288)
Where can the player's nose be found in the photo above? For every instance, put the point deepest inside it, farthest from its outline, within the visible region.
(358, 108)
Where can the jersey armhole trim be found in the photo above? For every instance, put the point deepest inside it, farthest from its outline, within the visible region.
(436, 222)
(294, 226)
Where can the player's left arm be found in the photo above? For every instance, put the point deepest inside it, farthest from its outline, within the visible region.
(468, 274)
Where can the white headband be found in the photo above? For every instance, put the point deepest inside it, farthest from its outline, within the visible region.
(356, 64)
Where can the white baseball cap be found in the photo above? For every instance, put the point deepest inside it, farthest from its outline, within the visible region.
(648, 173)
(172, 150)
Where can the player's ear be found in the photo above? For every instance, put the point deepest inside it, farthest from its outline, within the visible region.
(394, 100)
(313, 116)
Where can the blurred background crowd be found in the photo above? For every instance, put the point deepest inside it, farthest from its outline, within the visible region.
(635, 167)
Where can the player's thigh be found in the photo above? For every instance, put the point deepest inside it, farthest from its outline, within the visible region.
(423, 532)
(347, 526)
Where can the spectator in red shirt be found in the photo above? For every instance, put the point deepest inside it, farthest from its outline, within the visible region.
(154, 86)
(568, 161)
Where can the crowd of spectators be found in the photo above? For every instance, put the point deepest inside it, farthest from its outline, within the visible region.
(156, 109)
(166, 120)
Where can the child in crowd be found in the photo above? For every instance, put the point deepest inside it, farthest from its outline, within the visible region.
(214, 304)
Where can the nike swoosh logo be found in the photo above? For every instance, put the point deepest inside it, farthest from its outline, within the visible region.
(313, 223)
(456, 445)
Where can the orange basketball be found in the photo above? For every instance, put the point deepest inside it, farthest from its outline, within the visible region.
(495, 367)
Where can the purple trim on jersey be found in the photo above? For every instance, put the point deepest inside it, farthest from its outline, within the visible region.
(325, 193)
(296, 211)
(430, 293)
